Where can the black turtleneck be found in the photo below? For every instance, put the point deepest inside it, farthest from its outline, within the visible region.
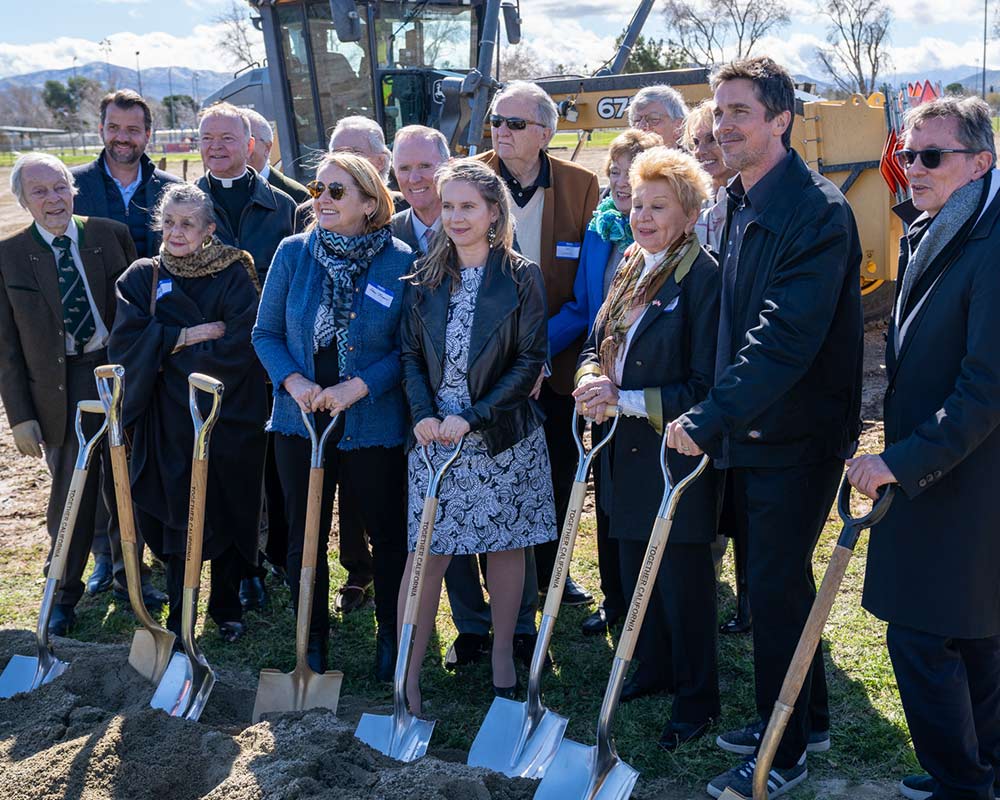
(232, 196)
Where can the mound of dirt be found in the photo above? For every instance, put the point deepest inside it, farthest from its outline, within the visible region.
(90, 734)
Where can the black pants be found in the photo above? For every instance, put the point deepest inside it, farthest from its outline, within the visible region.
(562, 459)
(355, 554)
(783, 511)
(608, 564)
(681, 624)
(227, 569)
(376, 478)
(950, 690)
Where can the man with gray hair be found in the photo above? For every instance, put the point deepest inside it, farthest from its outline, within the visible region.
(260, 158)
(363, 137)
(934, 560)
(659, 109)
(553, 203)
(57, 304)
(417, 152)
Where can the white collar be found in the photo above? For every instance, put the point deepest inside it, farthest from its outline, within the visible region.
(652, 259)
(266, 171)
(71, 231)
(227, 183)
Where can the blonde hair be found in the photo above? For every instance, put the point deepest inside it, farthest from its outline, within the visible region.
(630, 143)
(703, 114)
(679, 170)
(369, 184)
(441, 260)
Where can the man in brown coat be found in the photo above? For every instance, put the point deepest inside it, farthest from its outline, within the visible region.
(554, 201)
(57, 302)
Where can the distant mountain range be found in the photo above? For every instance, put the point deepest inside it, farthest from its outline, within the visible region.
(157, 82)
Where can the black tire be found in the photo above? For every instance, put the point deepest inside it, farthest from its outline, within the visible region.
(877, 303)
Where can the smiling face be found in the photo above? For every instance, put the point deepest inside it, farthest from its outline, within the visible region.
(709, 154)
(416, 159)
(747, 138)
(931, 188)
(48, 197)
(225, 146)
(359, 143)
(465, 215)
(658, 219)
(653, 117)
(621, 190)
(347, 216)
(184, 231)
(519, 146)
(124, 133)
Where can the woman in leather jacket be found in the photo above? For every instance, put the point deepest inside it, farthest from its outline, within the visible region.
(473, 342)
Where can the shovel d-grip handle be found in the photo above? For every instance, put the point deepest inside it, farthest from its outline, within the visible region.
(813, 629)
(199, 471)
(110, 388)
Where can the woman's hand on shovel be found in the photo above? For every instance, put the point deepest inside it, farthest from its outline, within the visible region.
(594, 396)
(303, 391)
(452, 429)
(426, 431)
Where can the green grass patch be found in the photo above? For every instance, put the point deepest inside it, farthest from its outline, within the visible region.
(599, 139)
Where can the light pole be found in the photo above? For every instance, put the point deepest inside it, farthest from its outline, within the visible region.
(986, 7)
(173, 100)
(105, 45)
(74, 66)
(138, 71)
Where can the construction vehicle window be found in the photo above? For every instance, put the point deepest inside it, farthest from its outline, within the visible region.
(425, 35)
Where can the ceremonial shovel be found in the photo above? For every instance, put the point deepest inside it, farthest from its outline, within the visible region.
(27, 673)
(188, 681)
(811, 633)
(151, 644)
(521, 739)
(403, 736)
(302, 688)
(579, 772)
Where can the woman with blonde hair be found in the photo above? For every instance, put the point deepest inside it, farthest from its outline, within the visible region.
(652, 354)
(327, 334)
(698, 138)
(473, 343)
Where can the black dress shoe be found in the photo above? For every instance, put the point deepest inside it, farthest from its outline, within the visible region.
(524, 650)
(253, 594)
(316, 654)
(507, 692)
(385, 655)
(232, 632)
(101, 578)
(575, 595)
(677, 733)
(468, 648)
(598, 623)
(635, 688)
(742, 622)
(151, 596)
(61, 621)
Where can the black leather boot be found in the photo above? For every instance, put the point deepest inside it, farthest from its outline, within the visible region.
(385, 655)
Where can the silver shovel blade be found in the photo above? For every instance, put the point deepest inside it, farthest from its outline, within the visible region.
(574, 775)
(505, 745)
(404, 742)
(22, 674)
(174, 692)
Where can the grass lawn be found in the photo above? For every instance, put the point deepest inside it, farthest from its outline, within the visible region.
(598, 139)
(72, 159)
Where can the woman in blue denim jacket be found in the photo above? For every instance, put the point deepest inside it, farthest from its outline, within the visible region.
(328, 335)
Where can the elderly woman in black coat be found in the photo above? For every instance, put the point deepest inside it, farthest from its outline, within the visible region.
(652, 354)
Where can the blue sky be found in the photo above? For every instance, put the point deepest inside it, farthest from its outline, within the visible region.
(180, 32)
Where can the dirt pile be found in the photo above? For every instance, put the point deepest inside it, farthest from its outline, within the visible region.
(91, 735)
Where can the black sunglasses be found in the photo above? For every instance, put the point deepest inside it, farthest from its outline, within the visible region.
(316, 189)
(514, 123)
(930, 158)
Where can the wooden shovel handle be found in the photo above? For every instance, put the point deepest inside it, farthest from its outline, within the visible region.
(60, 550)
(310, 542)
(420, 555)
(648, 571)
(564, 554)
(196, 523)
(123, 493)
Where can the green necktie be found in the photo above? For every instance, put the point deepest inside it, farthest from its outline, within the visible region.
(77, 316)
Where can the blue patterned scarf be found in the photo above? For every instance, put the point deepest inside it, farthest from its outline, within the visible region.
(343, 258)
(611, 225)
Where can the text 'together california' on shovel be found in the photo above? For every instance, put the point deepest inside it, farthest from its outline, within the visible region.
(402, 735)
(521, 739)
(802, 659)
(302, 688)
(152, 644)
(184, 689)
(579, 772)
(26, 673)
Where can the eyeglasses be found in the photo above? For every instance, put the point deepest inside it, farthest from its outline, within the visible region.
(651, 121)
(514, 123)
(316, 189)
(930, 158)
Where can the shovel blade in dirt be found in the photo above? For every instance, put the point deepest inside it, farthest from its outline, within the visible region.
(404, 742)
(574, 774)
(279, 691)
(149, 655)
(184, 688)
(508, 743)
(25, 674)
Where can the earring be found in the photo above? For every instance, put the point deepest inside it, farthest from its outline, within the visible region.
(491, 235)
(206, 242)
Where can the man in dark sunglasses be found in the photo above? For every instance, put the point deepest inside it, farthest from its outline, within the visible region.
(934, 561)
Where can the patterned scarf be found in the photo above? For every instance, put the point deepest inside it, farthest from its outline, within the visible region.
(631, 293)
(343, 258)
(210, 259)
(611, 225)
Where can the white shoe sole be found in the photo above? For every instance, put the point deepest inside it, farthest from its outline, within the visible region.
(787, 787)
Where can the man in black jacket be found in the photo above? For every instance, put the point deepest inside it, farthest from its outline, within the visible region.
(784, 412)
(933, 569)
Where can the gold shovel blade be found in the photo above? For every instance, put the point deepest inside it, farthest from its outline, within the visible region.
(149, 654)
(299, 690)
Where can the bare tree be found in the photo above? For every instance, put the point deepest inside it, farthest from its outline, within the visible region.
(237, 37)
(858, 36)
(709, 31)
(23, 106)
(751, 20)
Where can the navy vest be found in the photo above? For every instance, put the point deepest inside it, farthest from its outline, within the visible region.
(137, 217)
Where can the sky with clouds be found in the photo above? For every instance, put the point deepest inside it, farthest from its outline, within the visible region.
(925, 35)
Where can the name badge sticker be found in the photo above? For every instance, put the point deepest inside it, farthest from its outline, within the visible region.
(379, 295)
(164, 286)
(672, 304)
(568, 250)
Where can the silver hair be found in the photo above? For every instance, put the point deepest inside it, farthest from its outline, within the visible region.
(547, 112)
(184, 194)
(376, 138)
(667, 96)
(975, 124)
(423, 132)
(32, 159)
(226, 110)
(259, 126)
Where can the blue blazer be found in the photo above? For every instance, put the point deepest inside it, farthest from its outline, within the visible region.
(576, 318)
(283, 339)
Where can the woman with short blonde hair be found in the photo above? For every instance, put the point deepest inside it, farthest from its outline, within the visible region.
(698, 139)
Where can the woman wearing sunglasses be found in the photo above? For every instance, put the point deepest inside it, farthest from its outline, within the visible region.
(327, 333)
(474, 340)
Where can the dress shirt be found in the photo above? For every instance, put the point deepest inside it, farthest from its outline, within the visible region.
(423, 233)
(127, 191)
